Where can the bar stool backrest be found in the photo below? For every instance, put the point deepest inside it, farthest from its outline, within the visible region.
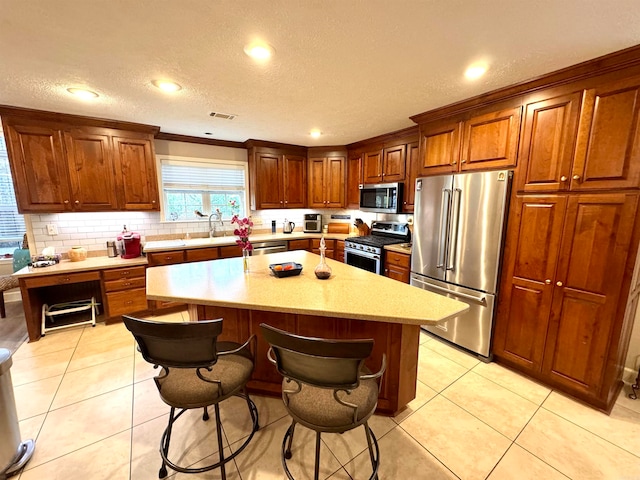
(182, 345)
(316, 361)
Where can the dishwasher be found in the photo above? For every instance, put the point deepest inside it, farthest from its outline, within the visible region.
(262, 248)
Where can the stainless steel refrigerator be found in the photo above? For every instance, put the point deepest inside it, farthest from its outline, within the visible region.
(458, 231)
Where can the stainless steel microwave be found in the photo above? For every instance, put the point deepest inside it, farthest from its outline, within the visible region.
(381, 198)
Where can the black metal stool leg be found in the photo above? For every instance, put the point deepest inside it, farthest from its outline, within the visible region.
(165, 445)
(374, 460)
(316, 474)
(223, 472)
(205, 416)
(287, 453)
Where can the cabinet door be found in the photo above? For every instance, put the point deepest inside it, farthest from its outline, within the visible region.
(533, 242)
(135, 167)
(39, 168)
(372, 167)
(548, 140)
(491, 140)
(594, 249)
(338, 254)
(269, 187)
(295, 181)
(439, 149)
(354, 179)
(165, 258)
(410, 182)
(90, 171)
(393, 164)
(316, 183)
(607, 152)
(334, 185)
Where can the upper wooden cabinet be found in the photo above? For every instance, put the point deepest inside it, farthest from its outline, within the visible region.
(411, 175)
(608, 146)
(326, 181)
(277, 179)
(548, 143)
(382, 165)
(61, 165)
(354, 179)
(481, 142)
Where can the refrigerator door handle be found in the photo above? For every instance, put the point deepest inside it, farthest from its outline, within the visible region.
(455, 220)
(482, 300)
(444, 227)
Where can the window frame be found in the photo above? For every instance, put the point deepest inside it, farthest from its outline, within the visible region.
(11, 208)
(202, 161)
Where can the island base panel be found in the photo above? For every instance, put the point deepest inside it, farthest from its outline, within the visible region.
(398, 341)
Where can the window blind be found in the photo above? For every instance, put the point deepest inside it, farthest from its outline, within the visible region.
(202, 176)
(12, 226)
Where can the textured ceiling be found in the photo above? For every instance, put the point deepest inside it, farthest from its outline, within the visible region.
(352, 68)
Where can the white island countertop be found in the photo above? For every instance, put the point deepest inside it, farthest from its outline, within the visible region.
(349, 293)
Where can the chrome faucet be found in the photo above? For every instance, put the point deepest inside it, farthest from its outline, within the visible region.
(212, 227)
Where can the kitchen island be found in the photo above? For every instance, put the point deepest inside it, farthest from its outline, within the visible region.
(353, 303)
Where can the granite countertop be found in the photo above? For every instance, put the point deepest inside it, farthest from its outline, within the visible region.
(167, 245)
(91, 263)
(349, 293)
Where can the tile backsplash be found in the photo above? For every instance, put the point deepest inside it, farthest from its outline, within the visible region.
(93, 230)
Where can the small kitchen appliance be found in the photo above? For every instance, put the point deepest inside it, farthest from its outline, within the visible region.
(288, 226)
(381, 198)
(367, 252)
(129, 244)
(112, 251)
(312, 222)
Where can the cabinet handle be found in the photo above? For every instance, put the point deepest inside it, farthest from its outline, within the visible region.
(153, 201)
(559, 284)
(127, 284)
(463, 161)
(548, 281)
(563, 178)
(454, 162)
(128, 302)
(124, 273)
(576, 177)
(66, 201)
(77, 202)
(286, 201)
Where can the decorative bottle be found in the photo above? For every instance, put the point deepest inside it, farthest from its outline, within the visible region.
(322, 271)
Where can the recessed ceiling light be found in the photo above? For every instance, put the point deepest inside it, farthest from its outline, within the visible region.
(167, 86)
(82, 93)
(475, 71)
(315, 133)
(259, 50)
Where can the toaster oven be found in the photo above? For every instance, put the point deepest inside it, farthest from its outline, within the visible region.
(312, 223)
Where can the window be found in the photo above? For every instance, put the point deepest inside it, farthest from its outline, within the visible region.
(204, 185)
(12, 227)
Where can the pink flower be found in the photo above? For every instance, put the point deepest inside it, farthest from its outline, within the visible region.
(243, 231)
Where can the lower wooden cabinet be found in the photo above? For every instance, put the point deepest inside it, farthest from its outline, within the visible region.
(558, 318)
(339, 251)
(125, 291)
(330, 245)
(397, 266)
(165, 258)
(302, 244)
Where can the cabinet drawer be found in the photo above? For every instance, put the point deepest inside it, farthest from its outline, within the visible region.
(398, 259)
(124, 284)
(202, 254)
(118, 273)
(230, 251)
(62, 279)
(129, 301)
(299, 244)
(166, 258)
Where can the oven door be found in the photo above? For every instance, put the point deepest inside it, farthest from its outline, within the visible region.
(366, 261)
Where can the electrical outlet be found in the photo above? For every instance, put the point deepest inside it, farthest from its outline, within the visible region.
(257, 221)
(52, 229)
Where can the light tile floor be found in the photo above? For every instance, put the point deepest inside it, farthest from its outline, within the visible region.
(88, 399)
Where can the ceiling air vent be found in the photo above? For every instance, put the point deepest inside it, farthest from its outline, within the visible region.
(224, 116)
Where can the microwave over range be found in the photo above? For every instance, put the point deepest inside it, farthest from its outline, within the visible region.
(381, 198)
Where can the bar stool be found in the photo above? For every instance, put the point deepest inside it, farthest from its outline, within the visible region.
(325, 387)
(197, 371)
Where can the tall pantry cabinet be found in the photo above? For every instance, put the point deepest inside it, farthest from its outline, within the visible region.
(571, 229)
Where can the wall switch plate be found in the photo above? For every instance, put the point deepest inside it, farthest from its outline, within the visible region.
(52, 229)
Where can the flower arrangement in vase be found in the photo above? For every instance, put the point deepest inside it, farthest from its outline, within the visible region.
(243, 231)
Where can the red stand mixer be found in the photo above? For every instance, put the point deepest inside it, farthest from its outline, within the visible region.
(129, 244)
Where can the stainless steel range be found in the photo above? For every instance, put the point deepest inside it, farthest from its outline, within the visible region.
(367, 252)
